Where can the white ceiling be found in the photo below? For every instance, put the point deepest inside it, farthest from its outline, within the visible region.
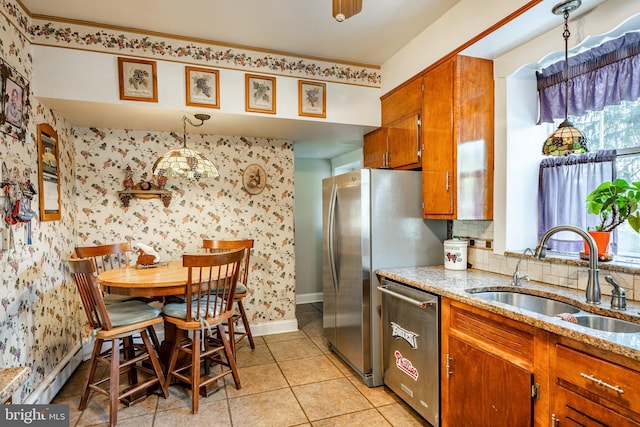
(298, 27)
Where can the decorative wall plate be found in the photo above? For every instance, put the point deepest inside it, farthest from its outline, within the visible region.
(254, 179)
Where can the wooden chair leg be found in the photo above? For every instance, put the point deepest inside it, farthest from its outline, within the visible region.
(129, 352)
(245, 322)
(195, 372)
(230, 356)
(232, 336)
(97, 346)
(114, 383)
(155, 362)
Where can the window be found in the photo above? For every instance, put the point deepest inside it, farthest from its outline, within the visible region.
(617, 127)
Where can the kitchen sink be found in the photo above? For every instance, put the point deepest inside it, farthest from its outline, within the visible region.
(608, 324)
(540, 305)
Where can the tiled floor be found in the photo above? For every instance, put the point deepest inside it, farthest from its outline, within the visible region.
(289, 379)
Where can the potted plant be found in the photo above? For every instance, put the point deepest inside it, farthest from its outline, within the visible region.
(614, 202)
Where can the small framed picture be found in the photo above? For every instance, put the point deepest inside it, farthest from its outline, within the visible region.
(138, 80)
(312, 98)
(48, 173)
(260, 94)
(203, 87)
(14, 93)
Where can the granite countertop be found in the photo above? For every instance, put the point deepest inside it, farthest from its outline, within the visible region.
(454, 283)
(11, 379)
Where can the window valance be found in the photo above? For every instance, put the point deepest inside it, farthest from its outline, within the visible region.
(604, 75)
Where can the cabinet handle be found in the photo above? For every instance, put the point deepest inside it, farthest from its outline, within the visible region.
(448, 366)
(602, 383)
(555, 422)
(446, 182)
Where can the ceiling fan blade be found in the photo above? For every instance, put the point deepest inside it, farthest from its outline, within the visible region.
(348, 7)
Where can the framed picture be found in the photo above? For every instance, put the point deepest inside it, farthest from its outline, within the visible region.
(312, 98)
(254, 179)
(203, 87)
(14, 93)
(138, 80)
(48, 173)
(260, 94)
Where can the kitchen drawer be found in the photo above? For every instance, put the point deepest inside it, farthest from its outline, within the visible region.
(606, 380)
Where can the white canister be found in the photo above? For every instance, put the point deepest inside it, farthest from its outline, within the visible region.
(455, 254)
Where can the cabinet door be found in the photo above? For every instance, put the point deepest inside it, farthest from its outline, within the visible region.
(402, 101)
(485, 390)
(438, 183)
(403, 142)
(375, 149)
(572, 409)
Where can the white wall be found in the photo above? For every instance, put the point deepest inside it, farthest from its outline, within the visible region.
(309, 174)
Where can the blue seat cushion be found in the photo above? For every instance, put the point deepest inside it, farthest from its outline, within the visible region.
(128, 312)
(179, 309)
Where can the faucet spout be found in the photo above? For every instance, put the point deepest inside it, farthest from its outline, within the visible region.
(593, 283)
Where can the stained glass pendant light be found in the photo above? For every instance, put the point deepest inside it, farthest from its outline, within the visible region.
(185, 162)
(566, 139)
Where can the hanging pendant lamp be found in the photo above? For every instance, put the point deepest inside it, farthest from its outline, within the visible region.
(185, 162)
(566, 139)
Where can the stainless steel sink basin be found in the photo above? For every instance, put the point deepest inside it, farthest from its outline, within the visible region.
(608, 324)
(540, 305)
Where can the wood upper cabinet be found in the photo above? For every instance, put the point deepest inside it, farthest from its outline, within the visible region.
(592, 391)
(457, 139)
(488, 369)
(397, 144)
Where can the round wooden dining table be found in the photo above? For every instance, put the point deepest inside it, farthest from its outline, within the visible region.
(158, 281)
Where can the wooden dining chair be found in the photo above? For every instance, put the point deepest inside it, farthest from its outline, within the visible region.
(213, 246)
(118, 325)
(107, 257)
(208, 306)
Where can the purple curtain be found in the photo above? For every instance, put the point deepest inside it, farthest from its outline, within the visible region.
(604, 75)
(564, 183)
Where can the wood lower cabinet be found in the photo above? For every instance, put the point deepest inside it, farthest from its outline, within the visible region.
(457, 138)
(592, 391)
(487, 368)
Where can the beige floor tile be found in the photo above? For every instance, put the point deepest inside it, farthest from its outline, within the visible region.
(309, 370)
(213, 414)
(322, 343)
(368, 418)
(330, 398)
(256, 379)
(284, 337)
(341, 365)
(73, 402)
(401, 415)
(313, 328)
(274, 408)
(294, 349)
(378, 396)
(180, 396)
(97, 410)
(259, 356)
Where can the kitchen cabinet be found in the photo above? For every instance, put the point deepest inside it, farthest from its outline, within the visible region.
(457, 138)
(590, 390)
(488, 365)
(397, 144)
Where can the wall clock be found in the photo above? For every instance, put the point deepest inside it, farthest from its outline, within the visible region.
(254, 179)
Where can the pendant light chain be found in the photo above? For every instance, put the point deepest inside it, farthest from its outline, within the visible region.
(566, 34)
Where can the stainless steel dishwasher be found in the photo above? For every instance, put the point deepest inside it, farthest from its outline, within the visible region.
(411, 347)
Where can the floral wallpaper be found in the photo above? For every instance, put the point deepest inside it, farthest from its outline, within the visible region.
(40, 314)
(211, 208)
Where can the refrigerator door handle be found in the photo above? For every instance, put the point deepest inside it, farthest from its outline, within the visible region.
(330, 236)
(421, 304)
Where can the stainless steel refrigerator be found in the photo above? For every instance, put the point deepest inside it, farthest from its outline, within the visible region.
(372, 219)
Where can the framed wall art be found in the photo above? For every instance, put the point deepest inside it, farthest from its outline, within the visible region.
(254, 179)
(260, 94)
(48, 173)
(13, 113)
(312, 99)
(203, 87)
(138, 80)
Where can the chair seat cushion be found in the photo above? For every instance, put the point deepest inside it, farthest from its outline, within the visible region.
(179, 310)
(128, 312)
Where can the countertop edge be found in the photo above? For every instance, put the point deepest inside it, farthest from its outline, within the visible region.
(453, 284)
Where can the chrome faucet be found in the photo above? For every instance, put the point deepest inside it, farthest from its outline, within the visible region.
(618, 295)
(517, 276)
(593, 284)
